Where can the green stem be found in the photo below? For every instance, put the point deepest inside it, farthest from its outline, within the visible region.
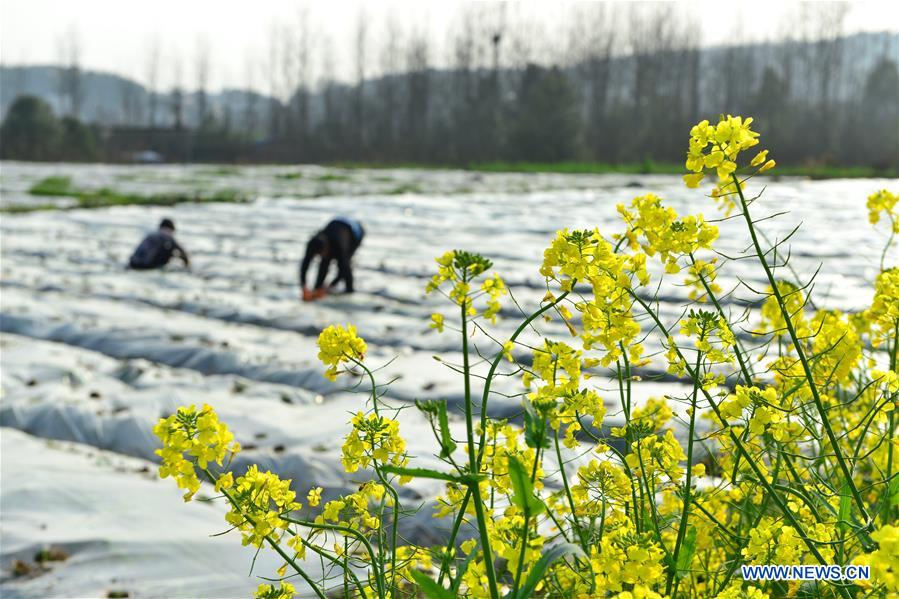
(388, 488)
(473, 460)
(574, 521)
(651, 498)
(483, 422)
(379, 582)
(685, 513)
(782, 506)
(274, 544)
(346, 566)
(451, 544)
(627, 421)
(738, 352)
(495, 364)
(891, 430)
(886, 248)
(347, 572)
(524, 545)
(800, 352)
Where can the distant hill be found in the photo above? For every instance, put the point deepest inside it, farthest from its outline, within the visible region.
(111, 99)
(115, 100)
(832, 102)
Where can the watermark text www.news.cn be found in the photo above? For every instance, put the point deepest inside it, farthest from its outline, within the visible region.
(802, 572)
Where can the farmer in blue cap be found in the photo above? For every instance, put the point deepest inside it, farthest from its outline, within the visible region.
(338, 241)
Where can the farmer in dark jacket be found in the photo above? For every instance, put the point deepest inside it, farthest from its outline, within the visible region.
(338, 241)
(157, 249)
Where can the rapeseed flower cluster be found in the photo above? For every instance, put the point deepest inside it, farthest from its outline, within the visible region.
(797, 464)
(884, 561)
(494, 287)
(260, 500)
(353, 510)
(794, 301)
(711, 334)
(192, 439)
(559, 396)
(883, 201)
(626, 557)
(505, 443)
(602, 485)
(373, 437)
(882, 317)
(650, 417)
(655, 456)
(658, 229)
(716, 147)
(284, 590)
(737, 591)
(607, 317)
(338, 345)
(460, 269)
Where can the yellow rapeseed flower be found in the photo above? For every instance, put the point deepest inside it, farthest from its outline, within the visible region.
(269, 591)
(192, 438)
(884, 562)
(338, 345)
(314, 497)
(716, 148)
(260, 499)
(373, 437)
(885, 202)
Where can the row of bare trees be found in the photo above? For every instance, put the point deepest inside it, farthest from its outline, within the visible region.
(604, 82)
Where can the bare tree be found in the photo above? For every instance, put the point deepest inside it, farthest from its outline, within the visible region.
(331, 130)
(303, 49)
(286, 80)
(418, 95)
(388, 86)
(128, 99)
(624, 78)
(271, 68)
(201, 73)
(658, 37)
(152, 74)
(70, 85)
(176, 102)
(250, 117)
(463, 91)
(359, 99)
(827, 58)
(592, 37)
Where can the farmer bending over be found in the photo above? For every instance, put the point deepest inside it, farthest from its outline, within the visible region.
(338, 241)
(157, 249)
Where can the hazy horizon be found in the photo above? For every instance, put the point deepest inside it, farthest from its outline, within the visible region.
(238, 38)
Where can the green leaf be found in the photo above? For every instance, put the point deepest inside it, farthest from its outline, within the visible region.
(423, 473)
(524, 497)
(430, 588)
(460, 572)
(447, 445)
(685, 555)
(437, 409)
(536, 574)
(534, 427)
(893, 491)
(845, 509)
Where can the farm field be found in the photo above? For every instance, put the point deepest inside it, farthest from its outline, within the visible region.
(93, 354)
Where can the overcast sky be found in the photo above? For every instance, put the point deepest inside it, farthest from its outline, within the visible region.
(115, 35)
